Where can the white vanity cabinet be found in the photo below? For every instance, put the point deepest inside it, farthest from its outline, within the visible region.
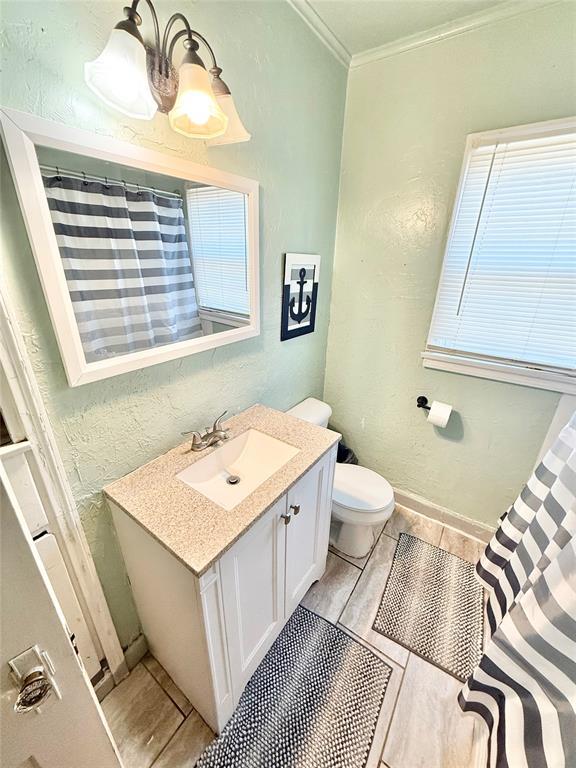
(252, 574)
(269, 570)
(306, 535)
(210, 633)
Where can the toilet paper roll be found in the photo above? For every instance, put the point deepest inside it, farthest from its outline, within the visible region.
(439, 414)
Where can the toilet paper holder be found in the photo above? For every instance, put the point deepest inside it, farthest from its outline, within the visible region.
(438, 413)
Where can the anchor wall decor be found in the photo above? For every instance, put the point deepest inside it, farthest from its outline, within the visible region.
(300, 315)
(301, 277)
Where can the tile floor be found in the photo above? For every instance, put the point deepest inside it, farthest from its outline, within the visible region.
(421, 725)
(152, 722)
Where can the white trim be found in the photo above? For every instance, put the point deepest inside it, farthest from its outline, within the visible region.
(226, 318)
(429, 36)
(62, 513)
(542, 128)
(9, 410)
(21, 132)
(450, 29)
(322, 31)
(513, 374)
(427, 508)
(14, 449)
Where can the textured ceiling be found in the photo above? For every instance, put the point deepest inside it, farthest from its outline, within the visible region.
(363, 24)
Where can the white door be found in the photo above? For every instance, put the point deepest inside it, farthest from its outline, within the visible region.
(67, 730)
(306, 534)
(252, 574)
(21, 466)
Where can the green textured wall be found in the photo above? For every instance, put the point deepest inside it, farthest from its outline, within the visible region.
(407, 118)
(294, 107)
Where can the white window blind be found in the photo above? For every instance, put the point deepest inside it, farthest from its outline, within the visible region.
(217, 222)
(508, 287)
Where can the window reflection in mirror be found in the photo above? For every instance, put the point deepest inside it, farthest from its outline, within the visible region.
(149, 259)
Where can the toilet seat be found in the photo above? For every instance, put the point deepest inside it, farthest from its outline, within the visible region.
(361, 496)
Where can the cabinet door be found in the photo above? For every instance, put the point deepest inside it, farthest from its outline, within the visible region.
(252, 574)
(309, 505)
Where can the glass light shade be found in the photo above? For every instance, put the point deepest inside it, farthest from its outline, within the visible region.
(119, 76)
(235, 131)
(196, 112)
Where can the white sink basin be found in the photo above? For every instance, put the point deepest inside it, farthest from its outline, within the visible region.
(252, 457)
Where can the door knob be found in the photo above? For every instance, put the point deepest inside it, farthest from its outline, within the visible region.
(295, 507)
(286, 518)
(33, 673)
(35, 688)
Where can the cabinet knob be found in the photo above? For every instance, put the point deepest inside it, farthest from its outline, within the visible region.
(286, 518)
(295, 507)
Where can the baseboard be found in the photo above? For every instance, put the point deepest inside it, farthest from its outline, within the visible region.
(132, 655)
(427, 508)
(136, 651)
(103, 687)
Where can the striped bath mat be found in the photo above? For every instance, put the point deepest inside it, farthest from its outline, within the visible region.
(433, 605)
(314, 702)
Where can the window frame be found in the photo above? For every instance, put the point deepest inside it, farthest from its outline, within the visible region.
(482, 366)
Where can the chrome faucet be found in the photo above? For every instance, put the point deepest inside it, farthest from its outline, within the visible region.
(210, 436)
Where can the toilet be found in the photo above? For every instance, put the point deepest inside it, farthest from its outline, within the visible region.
(361, 500)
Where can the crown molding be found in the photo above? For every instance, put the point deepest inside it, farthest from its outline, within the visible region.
(501, 12)
(322, 31)
(451, 29)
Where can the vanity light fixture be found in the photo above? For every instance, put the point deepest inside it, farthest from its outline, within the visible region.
(138, 79)
(235, 131)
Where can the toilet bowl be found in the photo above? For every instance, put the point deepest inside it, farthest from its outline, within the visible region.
(361, 500)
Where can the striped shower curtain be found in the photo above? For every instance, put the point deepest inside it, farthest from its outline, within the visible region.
(127, 265)
(525, 684)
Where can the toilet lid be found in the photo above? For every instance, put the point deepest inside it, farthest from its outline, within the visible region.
(361, 489)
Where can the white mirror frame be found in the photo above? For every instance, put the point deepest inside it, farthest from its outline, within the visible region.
(22, 133)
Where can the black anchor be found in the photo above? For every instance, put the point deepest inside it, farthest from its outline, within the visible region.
(300, 315)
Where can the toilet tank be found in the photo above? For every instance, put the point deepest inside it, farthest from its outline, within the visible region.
(312, 410)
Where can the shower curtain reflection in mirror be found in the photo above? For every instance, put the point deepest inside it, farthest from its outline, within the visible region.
(127, 264)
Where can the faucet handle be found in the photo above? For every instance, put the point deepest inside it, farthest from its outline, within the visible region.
(197, 439)
(217, 425)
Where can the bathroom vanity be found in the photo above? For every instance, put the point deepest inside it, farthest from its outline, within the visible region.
(217, 572)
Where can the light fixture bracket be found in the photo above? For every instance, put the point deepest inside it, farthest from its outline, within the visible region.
(164, 87)
(162, 75)
(163, 78)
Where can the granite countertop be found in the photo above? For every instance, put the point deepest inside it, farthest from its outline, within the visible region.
(188, 524)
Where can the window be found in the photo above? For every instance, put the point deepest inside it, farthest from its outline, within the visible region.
(217, 222)
(506, 302)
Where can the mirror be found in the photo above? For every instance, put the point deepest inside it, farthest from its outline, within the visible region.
(153, 257)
